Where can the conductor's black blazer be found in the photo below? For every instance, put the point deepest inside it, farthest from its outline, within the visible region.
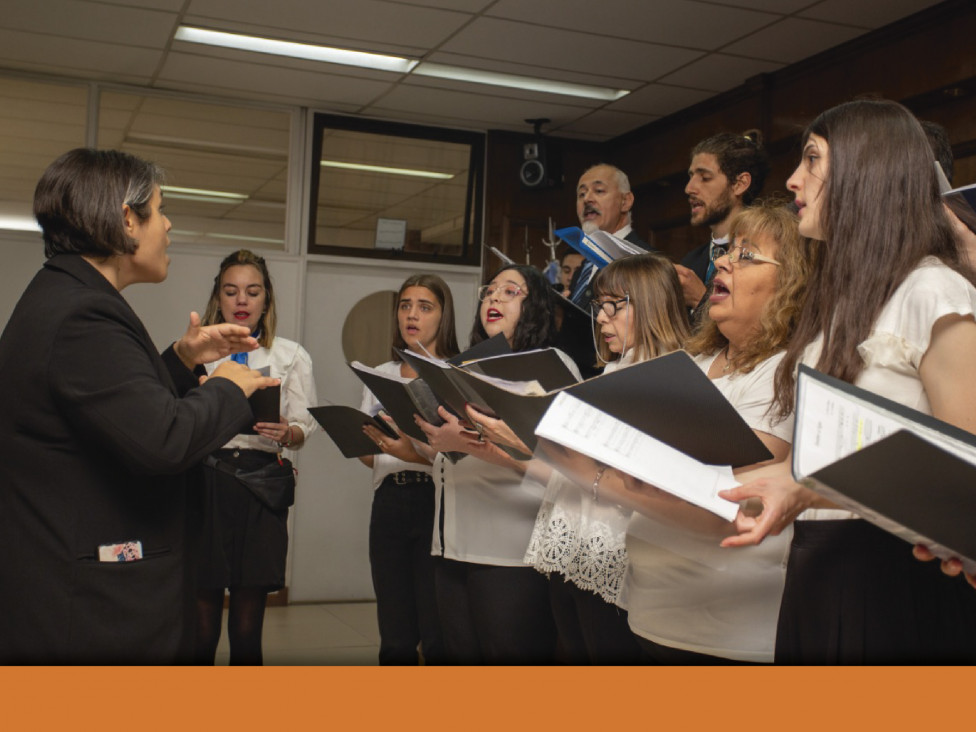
(97, 431)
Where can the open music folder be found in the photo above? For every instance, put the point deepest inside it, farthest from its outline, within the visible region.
(668, 398)
(904, 471)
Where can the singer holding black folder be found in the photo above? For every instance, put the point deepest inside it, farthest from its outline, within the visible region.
(891, 309)
(493, 608)
(402, 516)
(579, 543)
(244, 540)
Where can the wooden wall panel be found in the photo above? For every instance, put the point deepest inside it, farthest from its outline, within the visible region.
(926, 61)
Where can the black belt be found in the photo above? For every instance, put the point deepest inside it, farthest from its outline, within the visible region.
(409, 476)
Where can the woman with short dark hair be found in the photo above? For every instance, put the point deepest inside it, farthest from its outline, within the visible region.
(100, 430)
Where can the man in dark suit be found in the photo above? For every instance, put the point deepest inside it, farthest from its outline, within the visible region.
(603, 203)
(727, 172)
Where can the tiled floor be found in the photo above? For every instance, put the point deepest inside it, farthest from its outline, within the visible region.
(333, 634)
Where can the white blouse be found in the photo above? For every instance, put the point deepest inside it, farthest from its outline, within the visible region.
(685, 591)
(581, 539)
(488, 510)
(291, 363)
(898, 341)
(383, 464)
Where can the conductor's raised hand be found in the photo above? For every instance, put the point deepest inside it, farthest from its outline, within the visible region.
(206, 343)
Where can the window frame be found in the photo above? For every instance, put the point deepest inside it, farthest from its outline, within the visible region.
(474, 199)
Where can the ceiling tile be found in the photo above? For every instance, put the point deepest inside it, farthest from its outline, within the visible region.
(359, 21)
(36, 52)
(607, 124)
(784, 7)
(674, 22)
(718, 72)
(255, 79)
(90, 21)
(659, 99)
(486, 111)
(568, 50)
(866, 15)
(793, 39)
(504, 66)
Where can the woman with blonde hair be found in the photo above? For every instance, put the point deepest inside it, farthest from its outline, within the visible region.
(580, 544)
(245, 538)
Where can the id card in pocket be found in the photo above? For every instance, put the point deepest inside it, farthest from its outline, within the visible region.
(126, 551)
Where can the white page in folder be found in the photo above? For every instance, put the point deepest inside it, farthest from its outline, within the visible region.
(581, 427)
(832, 424)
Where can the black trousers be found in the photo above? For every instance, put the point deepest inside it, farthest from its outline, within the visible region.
(494, 615)
(591, 630)
(400, 529)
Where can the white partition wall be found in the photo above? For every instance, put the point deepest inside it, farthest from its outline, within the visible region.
(331, 519)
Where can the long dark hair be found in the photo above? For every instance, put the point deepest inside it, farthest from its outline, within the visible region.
(880, 215)
(446, 343)
(536, 326)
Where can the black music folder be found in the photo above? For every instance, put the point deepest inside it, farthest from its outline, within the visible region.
(345, 426)
(904, 471)
(668, 398)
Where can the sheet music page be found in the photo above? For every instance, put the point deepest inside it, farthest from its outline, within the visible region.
(832, 424)
(587, 430)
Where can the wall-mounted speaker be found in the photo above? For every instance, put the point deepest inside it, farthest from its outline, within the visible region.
(538, 166)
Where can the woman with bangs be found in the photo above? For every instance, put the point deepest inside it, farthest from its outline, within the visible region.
(577, 541)
(493, 608)
(402, 515)
(890, 309)
(690, 601)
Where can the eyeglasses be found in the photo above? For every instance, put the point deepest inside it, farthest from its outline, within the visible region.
(503, 293)
(609, 307)
(739, 253)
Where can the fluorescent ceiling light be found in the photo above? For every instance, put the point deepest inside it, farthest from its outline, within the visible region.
(384, 169)
(392, 63)
(199, 194)
(295, 50)
(183, 234)
(19, 223)
(513, 81)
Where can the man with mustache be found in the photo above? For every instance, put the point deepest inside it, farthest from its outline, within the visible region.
(727, 172)
(603, 203)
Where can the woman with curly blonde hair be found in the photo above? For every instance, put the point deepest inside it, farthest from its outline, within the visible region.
(689, 600)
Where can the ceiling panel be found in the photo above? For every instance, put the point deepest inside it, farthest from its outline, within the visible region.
(793, 39)
(607, 122)
(718, 72)
(570, 50)
(865, 14)
(254, 80)
(360, 20)
(674, 22)
(34, 51)
(90, 21)
(659, 99)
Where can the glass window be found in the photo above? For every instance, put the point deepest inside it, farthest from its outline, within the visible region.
(38, 122)
(385, 190)
(226, 166)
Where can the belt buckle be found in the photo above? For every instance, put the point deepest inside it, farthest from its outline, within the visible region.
(400, 478)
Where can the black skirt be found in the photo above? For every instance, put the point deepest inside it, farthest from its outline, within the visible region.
(855, 595)
(242, 543)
